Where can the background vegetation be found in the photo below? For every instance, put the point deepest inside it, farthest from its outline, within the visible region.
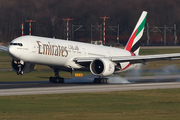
(124, 105)
(49, 16)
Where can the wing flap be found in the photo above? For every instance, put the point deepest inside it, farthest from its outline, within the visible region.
(84, 59)
(3, 48)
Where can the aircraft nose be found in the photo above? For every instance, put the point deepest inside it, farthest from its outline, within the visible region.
(12, 52)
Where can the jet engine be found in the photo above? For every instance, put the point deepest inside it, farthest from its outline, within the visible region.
(23, 66)
(102, 67)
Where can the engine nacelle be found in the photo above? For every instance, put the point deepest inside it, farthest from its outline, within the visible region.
(25, 67)
(102, 67)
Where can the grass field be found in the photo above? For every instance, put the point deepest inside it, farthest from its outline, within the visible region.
(11, 76)
(158, 51)
(124, 105)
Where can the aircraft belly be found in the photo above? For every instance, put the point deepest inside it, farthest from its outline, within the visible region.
(44, 59)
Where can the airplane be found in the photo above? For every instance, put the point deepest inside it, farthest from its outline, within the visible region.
(62, 55)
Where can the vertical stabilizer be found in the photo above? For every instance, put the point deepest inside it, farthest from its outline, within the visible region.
(133, 44)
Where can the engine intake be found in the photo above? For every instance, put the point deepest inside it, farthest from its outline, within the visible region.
(102, 67)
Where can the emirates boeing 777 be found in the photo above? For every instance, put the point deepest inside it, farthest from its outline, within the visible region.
(63, 55)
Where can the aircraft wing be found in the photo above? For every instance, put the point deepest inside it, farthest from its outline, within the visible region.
(133, 59)
(3, 48)
(146, 58)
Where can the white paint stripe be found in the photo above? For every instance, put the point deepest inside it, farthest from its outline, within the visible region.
(89, 88)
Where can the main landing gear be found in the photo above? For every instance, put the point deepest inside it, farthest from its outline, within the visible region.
(56, 78)
(101, 80)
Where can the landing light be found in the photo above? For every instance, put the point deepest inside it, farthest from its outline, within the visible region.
(78, 75)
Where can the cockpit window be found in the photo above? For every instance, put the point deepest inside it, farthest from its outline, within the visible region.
(19, 44)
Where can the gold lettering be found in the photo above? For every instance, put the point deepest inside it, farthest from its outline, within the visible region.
(60, 50)
(45, 49)
(39, 52)
(64, 50)
(70, 47)
(54, 50)
(50, 50)
(76, 48)
(66, 53)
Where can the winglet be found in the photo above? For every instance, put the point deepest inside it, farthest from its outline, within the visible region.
(133, 44)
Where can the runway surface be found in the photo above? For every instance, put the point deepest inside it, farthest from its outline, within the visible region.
(87, 88)
(44, 87)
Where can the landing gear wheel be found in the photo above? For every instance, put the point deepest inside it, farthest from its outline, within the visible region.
(21, 72)
(50, 79)
(56, 78)
(20, 64)
(95, 80)
(18, 72)
(101, 80)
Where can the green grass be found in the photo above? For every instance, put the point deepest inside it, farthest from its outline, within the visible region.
(3, 54)
(124, 105)
(11, 76)
(158, 51)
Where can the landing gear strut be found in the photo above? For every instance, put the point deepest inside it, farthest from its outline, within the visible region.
(20, 63)
(101, 80)
(56, 78)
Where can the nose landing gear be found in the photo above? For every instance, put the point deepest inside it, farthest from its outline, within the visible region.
(20, 63)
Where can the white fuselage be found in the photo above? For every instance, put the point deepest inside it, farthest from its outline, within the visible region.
(60, 53)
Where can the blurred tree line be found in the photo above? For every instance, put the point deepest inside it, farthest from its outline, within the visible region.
(49, 16)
